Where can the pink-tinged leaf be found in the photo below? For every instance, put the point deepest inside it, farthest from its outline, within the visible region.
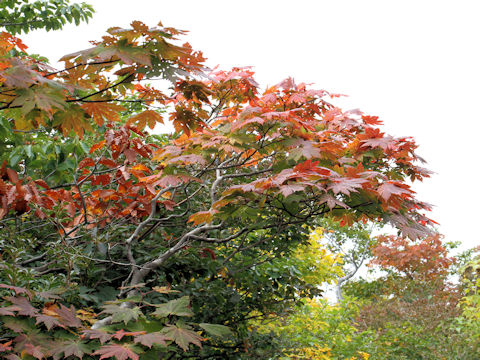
(169, 204)
(287, 190)
(117, 351)
(240, 124)
(9, 310)
(306, 149)
(151, 339)
(26, 308)
(389, 188)
(48, 321)
(35, 351)
(332, 201)
(121, 333)
(296, 97)
(67, 316)
(346, 160)
(249, 111)
(269, 98)
(6, 346)
(287, 84)
(383, 142)
(130, 155)
(102, 336)
(12, 357)
(18, 290)
(188, 159)
(346, 185)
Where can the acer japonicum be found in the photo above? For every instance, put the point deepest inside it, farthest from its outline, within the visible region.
(245, 171)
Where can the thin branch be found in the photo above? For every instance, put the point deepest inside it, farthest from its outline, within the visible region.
(221, 241)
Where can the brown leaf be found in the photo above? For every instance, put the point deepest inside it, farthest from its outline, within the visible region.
(151, 339)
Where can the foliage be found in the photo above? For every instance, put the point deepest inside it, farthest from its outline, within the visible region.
(39, 325)
(415, 308)
(110, 222)
(470, 302)
(26, 15)
(426, 258)
(318, 330)
(353, 243)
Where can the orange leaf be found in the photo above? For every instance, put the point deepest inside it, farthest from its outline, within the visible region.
(100, 111)
(148, 117)
(97, 146)
(202, 217)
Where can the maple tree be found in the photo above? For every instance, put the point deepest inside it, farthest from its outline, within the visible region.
(102, 207)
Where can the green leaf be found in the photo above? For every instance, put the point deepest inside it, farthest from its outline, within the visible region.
(216, 330)
(179, 307)
(122, 314)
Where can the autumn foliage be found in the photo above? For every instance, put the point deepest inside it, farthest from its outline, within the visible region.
(236, 184)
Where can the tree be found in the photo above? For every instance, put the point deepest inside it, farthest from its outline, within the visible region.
(353, 244)
(24, 16)
(415, 308)
(95, 200)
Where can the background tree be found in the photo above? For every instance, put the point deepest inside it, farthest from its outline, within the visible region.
(352, 243)
(26, 15)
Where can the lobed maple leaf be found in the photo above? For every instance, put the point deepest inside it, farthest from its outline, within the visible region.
(35, 351)
(122, 314)
(287, 190)
(25, 308)
(100, 111)
(102, 336)
(48, 321)
(18, 290)
(182, 336)
(151, 339)
(117, 351)
(67, 316)
(389, 188)
(147, 117)
(346, 185)
(71, 347)
(178, 307)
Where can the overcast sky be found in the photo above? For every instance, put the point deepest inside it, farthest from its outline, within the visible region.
(413, 63)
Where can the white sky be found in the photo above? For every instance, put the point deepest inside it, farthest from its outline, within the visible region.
(413, 63)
